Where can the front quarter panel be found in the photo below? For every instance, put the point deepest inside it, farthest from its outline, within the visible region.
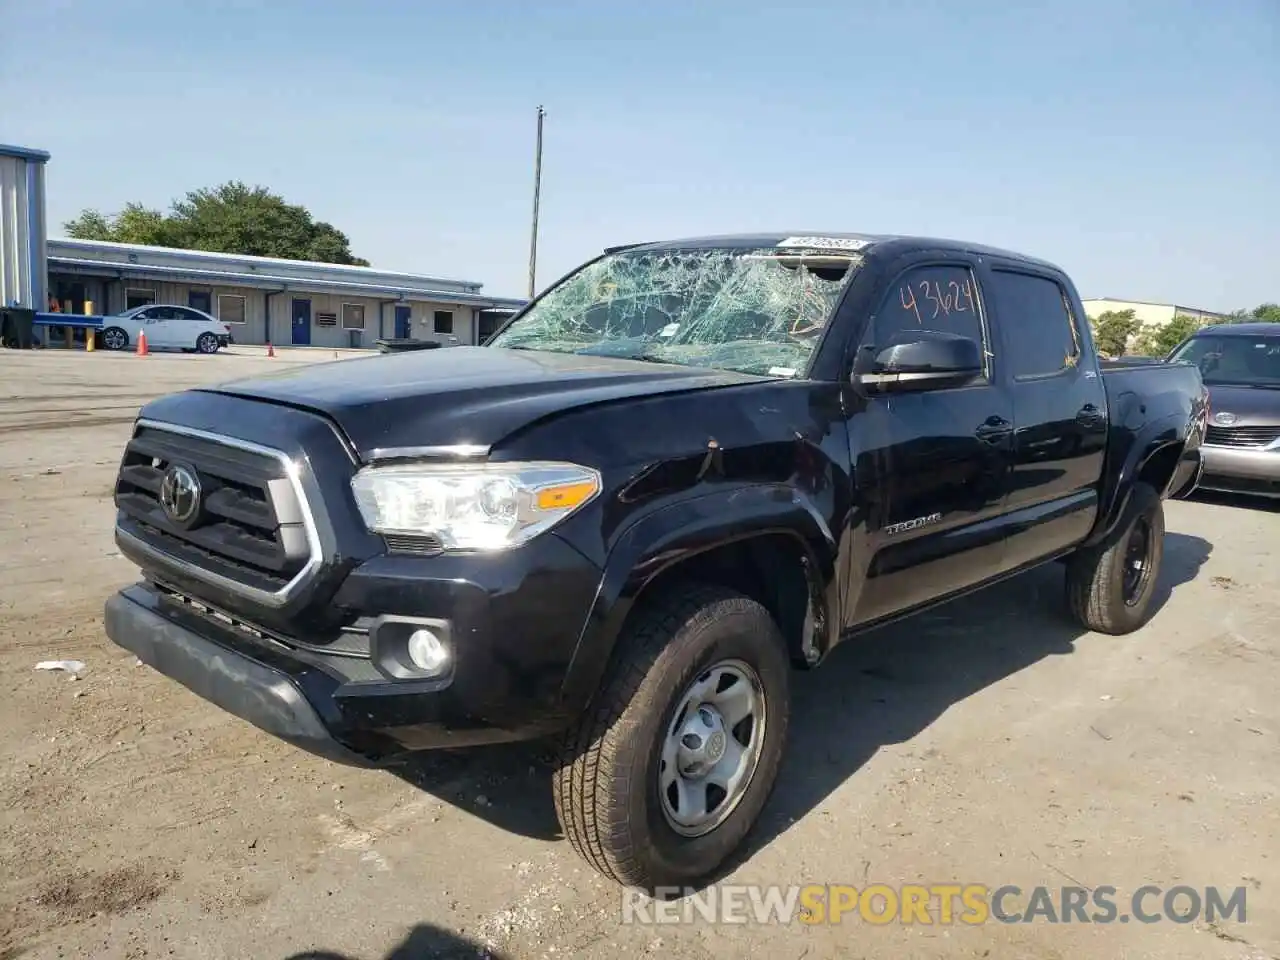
(664, 538)
(689, 472)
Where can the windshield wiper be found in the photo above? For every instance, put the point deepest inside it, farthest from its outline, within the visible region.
(647, 357)
(639, 352)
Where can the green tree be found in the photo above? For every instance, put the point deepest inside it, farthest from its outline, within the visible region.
(1112, 330)
(134, 224)
(231, 218)
(1158, 341)
(1264, 312)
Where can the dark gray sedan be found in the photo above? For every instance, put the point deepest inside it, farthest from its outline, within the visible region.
(1240, 364)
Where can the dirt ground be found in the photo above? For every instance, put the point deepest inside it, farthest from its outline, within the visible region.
(988, 742)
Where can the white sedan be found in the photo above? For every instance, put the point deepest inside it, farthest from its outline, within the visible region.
(167, 328)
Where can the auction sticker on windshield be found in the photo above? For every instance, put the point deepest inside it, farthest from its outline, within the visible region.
(825, 243)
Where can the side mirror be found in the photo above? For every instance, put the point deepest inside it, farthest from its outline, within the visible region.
(920, 360)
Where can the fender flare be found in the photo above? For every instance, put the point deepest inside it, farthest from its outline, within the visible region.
(672, 534)
(1154, 437)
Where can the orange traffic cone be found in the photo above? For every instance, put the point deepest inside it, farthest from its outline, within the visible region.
(142, 343)
(271, 351)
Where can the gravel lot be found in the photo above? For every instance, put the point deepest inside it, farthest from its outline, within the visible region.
(987, 742)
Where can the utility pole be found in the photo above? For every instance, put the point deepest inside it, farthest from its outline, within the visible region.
(537, 189)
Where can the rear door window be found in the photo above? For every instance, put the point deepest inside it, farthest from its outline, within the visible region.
(1039, 330)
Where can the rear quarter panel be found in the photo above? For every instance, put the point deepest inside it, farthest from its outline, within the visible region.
(1151, 407)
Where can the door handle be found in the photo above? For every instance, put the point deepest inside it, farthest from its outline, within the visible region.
(994, 428)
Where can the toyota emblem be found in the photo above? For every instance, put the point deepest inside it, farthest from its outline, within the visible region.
(180, 493)
(1225, 419)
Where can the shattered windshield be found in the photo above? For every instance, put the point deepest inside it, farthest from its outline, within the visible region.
(758, 311)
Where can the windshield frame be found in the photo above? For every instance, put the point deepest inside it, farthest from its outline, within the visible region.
(1265, 383)
(856, 261)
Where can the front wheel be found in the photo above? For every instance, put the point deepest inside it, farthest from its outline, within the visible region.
(114, 338)
(671, 765)
(207, 343)
(1111, 586)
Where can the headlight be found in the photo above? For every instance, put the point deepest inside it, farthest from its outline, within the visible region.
(485, 506)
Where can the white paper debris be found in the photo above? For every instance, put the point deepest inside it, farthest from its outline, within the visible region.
(70, 666)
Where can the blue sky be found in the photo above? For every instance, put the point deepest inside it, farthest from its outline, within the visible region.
(1137, 144)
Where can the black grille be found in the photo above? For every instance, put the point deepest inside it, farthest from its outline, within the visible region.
(249, 525)
(1241, 436)
(349, 640)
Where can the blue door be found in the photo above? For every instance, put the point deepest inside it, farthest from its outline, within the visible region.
(402, 323)
(301, 323)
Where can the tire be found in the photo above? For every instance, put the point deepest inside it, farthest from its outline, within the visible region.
(114, 338)
(207, 343)
(608, 792)
(1097, 591)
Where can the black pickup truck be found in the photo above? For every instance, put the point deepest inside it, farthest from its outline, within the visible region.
(684, 470)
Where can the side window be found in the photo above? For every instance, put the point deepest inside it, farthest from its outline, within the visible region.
(938, 298)
(1038, 327)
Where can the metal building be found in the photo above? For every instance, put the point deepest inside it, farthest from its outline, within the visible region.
(23, 278)
(264, 299)
(1149, 314)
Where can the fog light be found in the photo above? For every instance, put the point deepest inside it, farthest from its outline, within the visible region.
(427, 651)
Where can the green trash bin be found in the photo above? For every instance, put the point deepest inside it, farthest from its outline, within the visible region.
(16, 327)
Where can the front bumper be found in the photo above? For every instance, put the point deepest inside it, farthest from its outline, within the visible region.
(512, 623)
(1246, 470)
(256, 690)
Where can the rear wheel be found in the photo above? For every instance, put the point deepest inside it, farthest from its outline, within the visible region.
(669, 769)
(114, 338)
(1111, 586)
(207, 343)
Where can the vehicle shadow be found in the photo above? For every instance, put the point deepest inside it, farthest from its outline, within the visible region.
(892, 683)
(507, 785)
(882, 688)
(424, 942)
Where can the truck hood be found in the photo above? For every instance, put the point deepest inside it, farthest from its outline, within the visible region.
(1251, 406)
(463, 395)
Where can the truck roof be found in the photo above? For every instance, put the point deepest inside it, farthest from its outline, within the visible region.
(835, 241)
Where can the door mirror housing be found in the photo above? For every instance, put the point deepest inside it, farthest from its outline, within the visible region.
(919, 360)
